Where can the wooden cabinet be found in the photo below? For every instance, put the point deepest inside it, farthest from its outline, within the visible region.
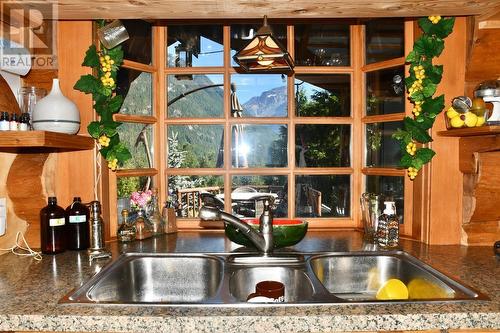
(479, 158)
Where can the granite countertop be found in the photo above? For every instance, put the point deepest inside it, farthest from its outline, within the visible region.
(30, 291)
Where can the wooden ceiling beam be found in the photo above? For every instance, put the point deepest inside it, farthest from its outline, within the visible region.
(244, 9)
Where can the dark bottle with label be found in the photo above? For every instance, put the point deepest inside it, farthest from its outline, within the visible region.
(52, 228)
(77, 225)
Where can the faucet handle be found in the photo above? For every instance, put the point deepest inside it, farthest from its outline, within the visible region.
(265, 197)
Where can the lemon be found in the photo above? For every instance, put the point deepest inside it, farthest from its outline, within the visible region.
(457, 122)
(470, 119)
(480, 121)
(451, 113)
(420, 288)
(392, 289)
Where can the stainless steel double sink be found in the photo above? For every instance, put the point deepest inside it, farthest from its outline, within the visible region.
(211, 279)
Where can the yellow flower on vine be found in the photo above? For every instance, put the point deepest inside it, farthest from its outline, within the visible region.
(412, 172)
(411, 148)
(113, 164)
(104, 140)
(434, 19)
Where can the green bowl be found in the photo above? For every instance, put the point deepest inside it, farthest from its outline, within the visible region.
(285, 232)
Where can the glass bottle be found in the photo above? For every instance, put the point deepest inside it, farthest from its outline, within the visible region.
(142, 226)
(52, 228)
(126, 231)
(4, 121)
(14, 122)
(24, 122)
(154, 215)
(77, 225)
(388, 226)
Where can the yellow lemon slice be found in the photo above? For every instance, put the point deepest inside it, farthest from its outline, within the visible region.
(392, 289)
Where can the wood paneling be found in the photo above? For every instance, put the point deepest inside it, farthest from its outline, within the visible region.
(75, 170)
(42, 139)
(445, 184)
(210, 9)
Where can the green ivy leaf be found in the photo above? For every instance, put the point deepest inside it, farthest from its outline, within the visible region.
(116, 54)
(441, 30)
(434, 73)
(122, 153)
(91, 57)
(88, 84)
(425, 154)
(406, 161)
(402, 135)
(417, 132)
(94, 129)
(428, 89)
(429, 46)
(115, 103)
(413, 56)
(433, 106)
(426, 25)
(425, 122)
(417, 163)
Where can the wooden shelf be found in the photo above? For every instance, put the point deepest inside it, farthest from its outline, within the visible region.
(473, 131)
(33, 141)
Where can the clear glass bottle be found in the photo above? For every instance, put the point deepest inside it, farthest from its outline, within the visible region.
(388, 226)
(126, 231)
(77, 225)
(52, 228)
(154, 215)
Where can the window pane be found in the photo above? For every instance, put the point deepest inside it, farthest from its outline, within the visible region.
(195, 96)
(385, 91)
(136, 88)
(259, 95)
(139, 140)
(195, 146)
(323, 95)
(384, 39)
(246, 188)
(186, 191)
(323, 196)
(126, 185)
(194, 46)
(139, 47)
(322, 145)
(259, 146)
(322, 44)
(391, 187)
(381, 149)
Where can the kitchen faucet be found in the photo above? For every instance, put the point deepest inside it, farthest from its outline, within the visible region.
(262, 239)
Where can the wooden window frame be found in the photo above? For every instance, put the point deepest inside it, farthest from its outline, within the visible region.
(356, 171)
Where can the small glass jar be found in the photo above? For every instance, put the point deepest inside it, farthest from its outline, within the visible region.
(154, 215)
(126, 231)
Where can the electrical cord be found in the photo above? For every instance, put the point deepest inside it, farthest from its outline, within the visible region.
(24, 251)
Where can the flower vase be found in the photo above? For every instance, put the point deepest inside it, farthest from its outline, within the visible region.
(143, 226)
(56, 113)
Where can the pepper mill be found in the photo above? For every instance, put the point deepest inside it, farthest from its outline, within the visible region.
(97, 249)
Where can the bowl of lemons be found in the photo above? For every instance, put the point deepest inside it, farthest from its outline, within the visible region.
(471, 113)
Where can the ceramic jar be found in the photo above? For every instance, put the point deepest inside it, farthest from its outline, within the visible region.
(56, 113)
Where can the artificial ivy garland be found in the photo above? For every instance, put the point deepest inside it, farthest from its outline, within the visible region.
(102, 86)
(421, 85)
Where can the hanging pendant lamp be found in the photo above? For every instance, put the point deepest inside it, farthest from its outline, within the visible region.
(264, 53)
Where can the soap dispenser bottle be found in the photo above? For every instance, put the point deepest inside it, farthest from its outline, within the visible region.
(388, 226)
